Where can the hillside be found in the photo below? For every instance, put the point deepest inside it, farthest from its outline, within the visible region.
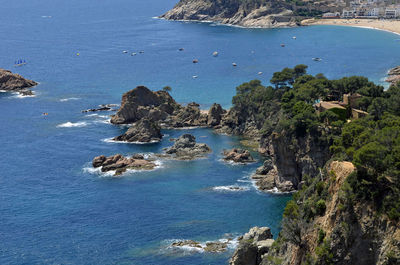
(250, 13)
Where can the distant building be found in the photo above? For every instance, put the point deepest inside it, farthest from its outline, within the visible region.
(331, 15)
(349, 13)
(390, 12)
(373, 12)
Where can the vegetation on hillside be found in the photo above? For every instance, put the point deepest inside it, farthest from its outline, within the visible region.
(371, 143)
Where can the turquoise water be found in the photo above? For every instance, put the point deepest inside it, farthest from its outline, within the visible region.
(54, 210)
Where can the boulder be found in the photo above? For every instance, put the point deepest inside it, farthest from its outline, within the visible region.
(186, 148)
(238, 156)
(144, 131)
(15, 83)
(214, 116)
(120, 164)
(252, 246)
(213, 247)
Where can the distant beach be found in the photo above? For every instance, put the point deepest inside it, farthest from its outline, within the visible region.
(386, 25)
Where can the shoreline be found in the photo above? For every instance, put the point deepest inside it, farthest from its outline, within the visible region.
(391, 26)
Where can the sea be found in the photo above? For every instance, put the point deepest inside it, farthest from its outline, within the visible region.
(56, 209)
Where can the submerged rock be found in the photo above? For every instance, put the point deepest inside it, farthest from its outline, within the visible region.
(186, 148)
(238, 156)
(15, 83)
(120, 164)
(143, 131)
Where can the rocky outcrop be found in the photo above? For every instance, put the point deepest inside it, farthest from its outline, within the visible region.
(186, 148)
(143, 131)
(142, 102)
(259, 14)
(215, 114)
(186, 116)
(238, 156)
(15, 83)
(212, 247)
(102, 107)
(120, 164)
(252, 247)
(393, 75)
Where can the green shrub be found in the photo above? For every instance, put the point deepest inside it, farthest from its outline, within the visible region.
(320, 207)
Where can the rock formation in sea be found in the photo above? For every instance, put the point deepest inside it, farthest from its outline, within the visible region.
(120, 164)
(143, 131)
(102, 107)
(237, 155)
(186, 148)
(393, 75)
(15, 83)
(262, 14)
(253, 246)
(212, 246)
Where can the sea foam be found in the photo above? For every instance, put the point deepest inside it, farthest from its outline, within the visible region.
(72, 124)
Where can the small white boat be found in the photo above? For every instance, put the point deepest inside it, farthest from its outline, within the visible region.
(124, 51)
(195, 61)
(133, 53)
(294, 37)
(317, 59)
(141, 52)
(234, 64)
(195, 76)
(260, 73)
(181, 49)
(215, 54)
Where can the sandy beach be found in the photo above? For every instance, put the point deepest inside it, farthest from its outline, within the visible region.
(386, 25)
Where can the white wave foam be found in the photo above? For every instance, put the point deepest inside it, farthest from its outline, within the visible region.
(231, 188)
(71, 124)
(68, 99)
(19, 95)
(97, 171)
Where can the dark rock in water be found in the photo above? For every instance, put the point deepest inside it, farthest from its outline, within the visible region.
(137, 104)
(215, 115)
(103, 107)
(252, 246)
(238, 156)
(120, 164)
(213, 247)
(186, 148)
(15, 83)
(188, 116)
(143, 131)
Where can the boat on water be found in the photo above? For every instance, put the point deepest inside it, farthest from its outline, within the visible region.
(282, 45)
(317, 59)
(195, 61)
(234, 64)
(181, 49)
(20, 62)
(215, 54)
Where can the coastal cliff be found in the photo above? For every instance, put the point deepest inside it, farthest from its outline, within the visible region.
(335, 230)
(253, 13)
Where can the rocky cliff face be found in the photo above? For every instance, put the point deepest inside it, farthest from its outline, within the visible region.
(340, 233)
(15, 83)
(264, 14)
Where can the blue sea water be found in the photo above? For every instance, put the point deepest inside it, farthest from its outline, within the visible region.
(55, 210)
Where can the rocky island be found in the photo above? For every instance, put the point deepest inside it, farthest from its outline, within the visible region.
(186, 148)
(121, 164)
(10, 82)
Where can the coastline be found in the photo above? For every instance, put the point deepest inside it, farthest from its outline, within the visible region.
(392, 26)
